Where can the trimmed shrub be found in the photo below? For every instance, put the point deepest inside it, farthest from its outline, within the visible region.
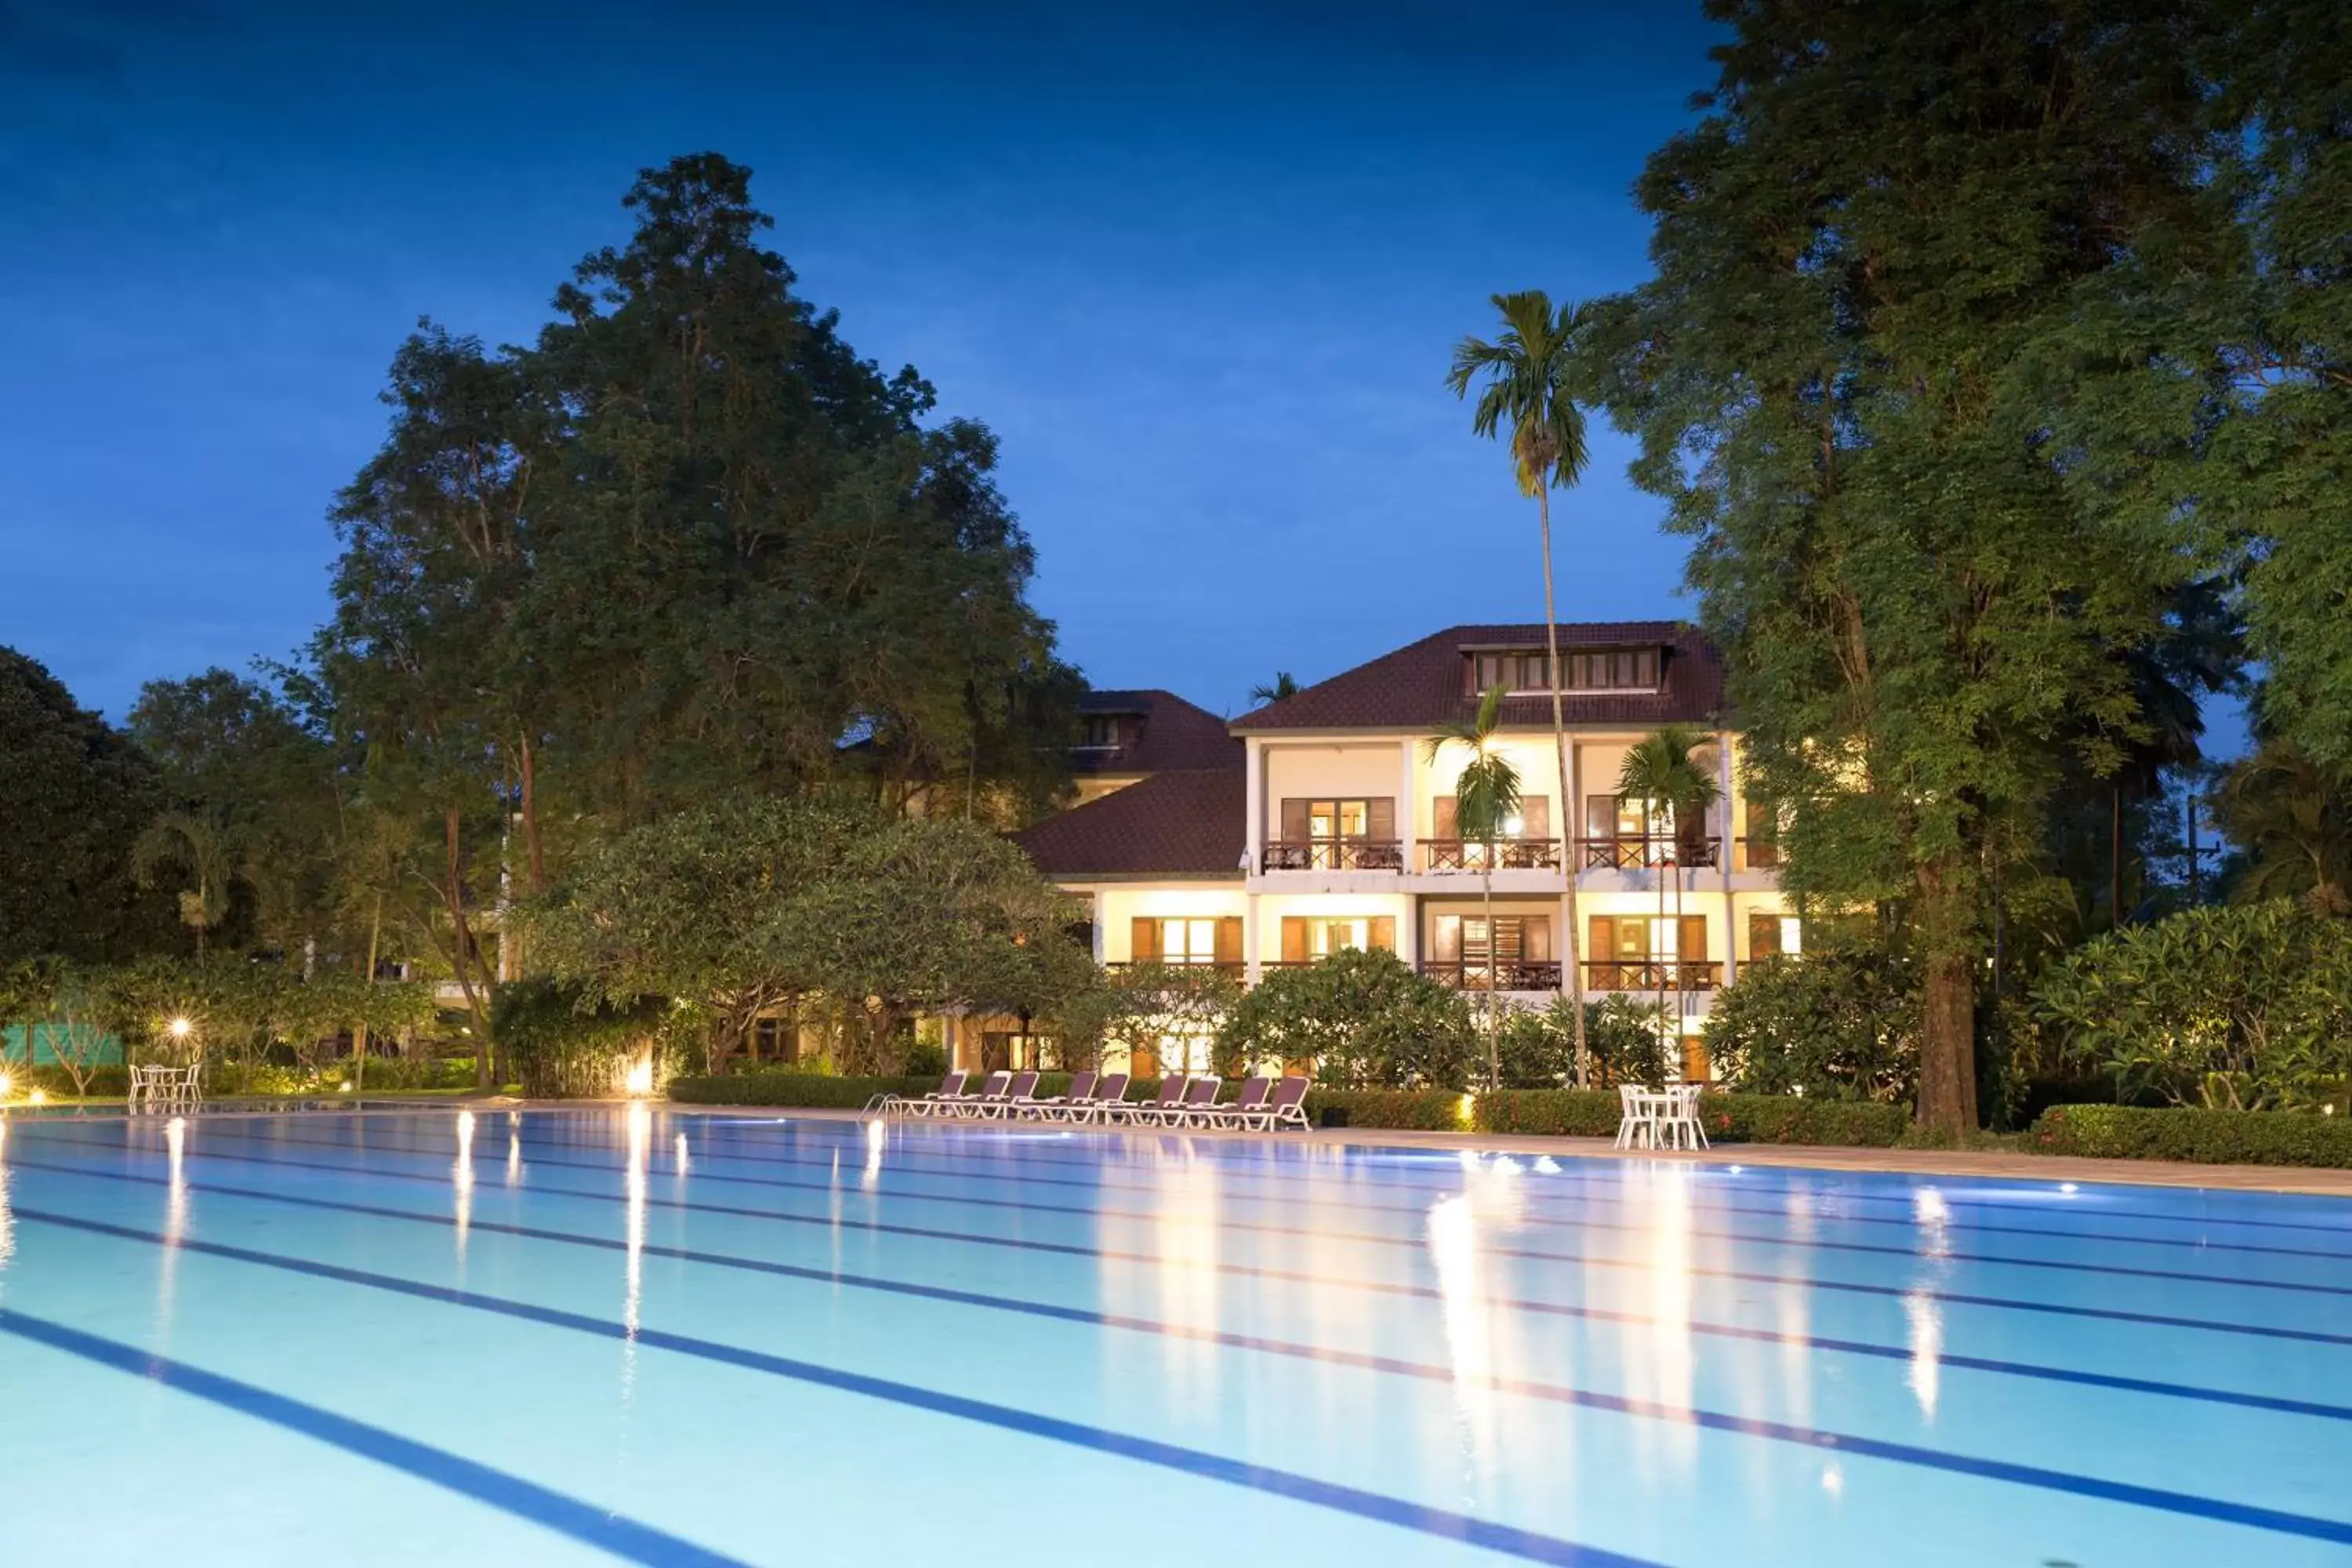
(1415, 1109)
(1727, 1118)
(1834, 1024)
(561, 1050)
(1550, 1112)
(1363, 1016)
(2207, 1137)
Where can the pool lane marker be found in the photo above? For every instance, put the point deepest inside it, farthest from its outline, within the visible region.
(1468, 1528)
(642, 1543)
(2112, 1270)
(586, 1522)
(491, 1152)
(1239, 1271)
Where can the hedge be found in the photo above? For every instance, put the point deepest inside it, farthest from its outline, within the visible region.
(1416, 1110)
(2206, 1137)
(1727, 1118)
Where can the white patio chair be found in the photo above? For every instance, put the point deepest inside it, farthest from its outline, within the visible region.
(1637, 1117)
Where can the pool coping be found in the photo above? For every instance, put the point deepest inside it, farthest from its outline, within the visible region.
(1993, 1166)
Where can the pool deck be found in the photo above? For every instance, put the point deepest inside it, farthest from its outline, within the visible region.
(1996, 1165)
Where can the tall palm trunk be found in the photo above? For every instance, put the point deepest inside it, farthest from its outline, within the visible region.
(1567, 807)
(360, 1034)
(1494, 1019)
(461, 938)
(1658, 874)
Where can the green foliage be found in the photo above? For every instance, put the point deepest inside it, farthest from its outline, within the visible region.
(1837, 1024)
(1624, 1036)
(1931, 451)
(1409, 1110)
(1139, 1005)
(2240, 1006)
(2291, 819)
(563, 1045)
(1364, 1018)
(1729, 1117)
(73, 795)
(738, 907)
(2205, 1136)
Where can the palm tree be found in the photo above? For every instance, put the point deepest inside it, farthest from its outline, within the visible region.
(1525, 373)
(1284, 684)
(1485, 797)
(2292, 820)
(1662, 771)
(205, 851)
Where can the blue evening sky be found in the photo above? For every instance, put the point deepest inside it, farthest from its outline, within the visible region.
(1199, 267)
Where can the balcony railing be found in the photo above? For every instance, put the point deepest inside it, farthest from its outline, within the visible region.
(1222, 965)
(1644, 851)
(1502, 854)
(1653, 974)
(1509, 974)
(1334, 854)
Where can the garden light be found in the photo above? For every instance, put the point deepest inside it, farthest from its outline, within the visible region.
(641, 1077)
(39, 1097)
(179, 1028)
(6, 1084)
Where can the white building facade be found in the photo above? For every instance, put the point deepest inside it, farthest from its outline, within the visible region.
(1331, 825)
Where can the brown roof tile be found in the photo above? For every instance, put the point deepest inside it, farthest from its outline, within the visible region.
(1174, 733)
(1184, 822)
(1422, 683)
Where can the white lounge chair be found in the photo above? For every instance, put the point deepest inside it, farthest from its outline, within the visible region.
(1082, 1092)
(950, 1088)
(1235, 1112)
(1159, 1107)
(968, 1105)
(1287, 1108)
(1019, 1097)
(1199, 1106)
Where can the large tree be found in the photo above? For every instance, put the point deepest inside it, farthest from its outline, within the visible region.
(74, 796)
(1896, 378)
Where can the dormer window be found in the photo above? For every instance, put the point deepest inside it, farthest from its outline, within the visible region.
(1587, 670)
(1101, 732)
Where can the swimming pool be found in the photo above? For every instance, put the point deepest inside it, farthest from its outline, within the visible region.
(593, 1334)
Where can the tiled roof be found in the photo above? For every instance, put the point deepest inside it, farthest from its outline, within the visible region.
(1186, 823)
(1175, 734)
(1424, 683)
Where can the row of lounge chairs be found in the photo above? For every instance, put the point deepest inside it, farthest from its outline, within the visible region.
(1100, 1101)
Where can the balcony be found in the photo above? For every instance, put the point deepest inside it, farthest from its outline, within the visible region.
(1233, 966)
(1653, 974)
(1647, 851)
(1508, 974)
(1476, 855)
(1333, 855)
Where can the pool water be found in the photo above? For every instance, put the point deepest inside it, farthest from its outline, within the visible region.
(597, 1335)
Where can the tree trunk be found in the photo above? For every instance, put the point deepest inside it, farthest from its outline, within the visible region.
(2115, 855)
(1947, 1043)
(360, 1034)
(1574, 950)
(461, 945)
(1494, 1019)
(526, 756)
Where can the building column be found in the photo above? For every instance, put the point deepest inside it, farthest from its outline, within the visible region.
(1254, 794)
(1730, 834)
(1250, 961)
(1408, 819)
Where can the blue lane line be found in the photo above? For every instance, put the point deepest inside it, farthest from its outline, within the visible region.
(1241, 1270)
(494, 1152)
(637, 1541)
(1388, 1509)
(1259, 1343)
(2059, 1266)
(585, 1522)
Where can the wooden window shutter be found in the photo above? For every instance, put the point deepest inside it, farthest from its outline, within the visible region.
(1690, 942)
(1600, 815)
(1535, 811)
(1229, 938)
(1294, 820)
(1380, 818)
(1294, 940)
(1383, 932)
(1441, 817)
(1145, 948)
(1539, 939)
(1763, 934)
(1446, 940)
(1605, 936)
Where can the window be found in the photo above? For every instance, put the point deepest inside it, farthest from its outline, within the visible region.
(1516, 939)
(1763, 845)
(1614, 669)
(1771, 934)
(1373, 817)
(1306, 939)
(1101, 732)
(1190, 938)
